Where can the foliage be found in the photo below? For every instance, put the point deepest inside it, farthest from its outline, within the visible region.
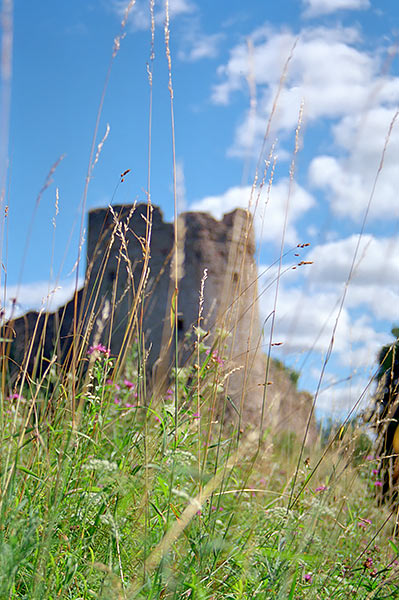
(88, 505)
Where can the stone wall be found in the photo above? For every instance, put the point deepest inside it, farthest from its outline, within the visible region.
(115, 262)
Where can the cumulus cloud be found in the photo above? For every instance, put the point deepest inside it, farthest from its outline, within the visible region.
(337, 399)
(315, 8)
(348, 180)
(343, 86)
(37, 295)
(309, 302)
(375, 280)
(305, 318)
(326, 70)
(305, 324)
(140, 14)
(196, 45)
(270, 212)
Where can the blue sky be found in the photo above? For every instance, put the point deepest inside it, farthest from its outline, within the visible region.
(227, 62)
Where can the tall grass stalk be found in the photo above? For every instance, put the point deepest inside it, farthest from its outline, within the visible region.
(117, 486)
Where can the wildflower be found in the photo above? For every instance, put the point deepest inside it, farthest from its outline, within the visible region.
(378, 483)
(321, 488)
(128, 405)
(196, 416)
(370, 457)
(308, 577)
(117, 400)
(14, 397)
(216, 357)
(99, 348)
(368, 563)
(129, 384)
(363, 523)
(375, 471)
(113, 384)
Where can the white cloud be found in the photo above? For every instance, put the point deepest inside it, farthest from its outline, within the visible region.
(348, 181)
(324, 66)
(315, 8)
(377, 261)
(196, 45)
(140, 14)
(375, 280)
(305, 322)
(270, 217)
(37, 295)
(339, 83)
(339, 399)
(309, 300)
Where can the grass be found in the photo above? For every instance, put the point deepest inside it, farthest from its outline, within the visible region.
(123, 502)
(113, 490)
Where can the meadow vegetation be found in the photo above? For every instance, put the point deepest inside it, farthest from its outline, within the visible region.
(127, 494)
(112, 490)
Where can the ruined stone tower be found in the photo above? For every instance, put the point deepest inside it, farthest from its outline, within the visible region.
(225, 249)
(114, 269)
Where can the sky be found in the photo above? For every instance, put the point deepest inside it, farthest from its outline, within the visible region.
(299, 97)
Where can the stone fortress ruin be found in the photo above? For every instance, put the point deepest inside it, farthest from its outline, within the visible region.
(226, 250)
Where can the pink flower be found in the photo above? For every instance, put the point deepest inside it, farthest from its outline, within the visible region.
(113, 384)
(14, 397)
(363, 523)
(117, 401)
(321, 488)
(308, 577)
(378, 483)
(130, 405)
(368, 563)
(128, 384)
(375, 471)
(99, 348)
(216, 357)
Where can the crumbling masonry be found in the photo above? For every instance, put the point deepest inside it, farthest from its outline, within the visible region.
(226, 249)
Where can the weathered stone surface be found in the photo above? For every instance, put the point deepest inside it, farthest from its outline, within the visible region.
(115, 261)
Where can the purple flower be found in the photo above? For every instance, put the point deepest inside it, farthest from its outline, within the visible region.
(117, 401)
(128, 384)
(14, 397)
(375, 471)
(308, 577)
(99, 348)
(378, 483)
(128, 405)
(370, 457)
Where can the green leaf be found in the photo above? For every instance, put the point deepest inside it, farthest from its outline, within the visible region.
(28, 472)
